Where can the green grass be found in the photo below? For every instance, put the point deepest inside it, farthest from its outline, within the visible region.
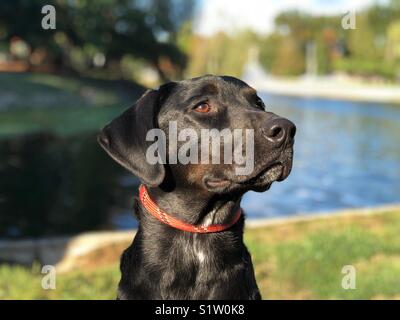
(62, 121)
(300, 260)
(32, 102)
(304, 260)
(19, 283)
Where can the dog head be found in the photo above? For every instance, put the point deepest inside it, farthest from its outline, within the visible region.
(219, 104)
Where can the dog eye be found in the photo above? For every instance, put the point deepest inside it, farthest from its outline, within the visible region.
(202, 107)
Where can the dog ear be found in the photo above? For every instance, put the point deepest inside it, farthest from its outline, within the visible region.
(124, 139)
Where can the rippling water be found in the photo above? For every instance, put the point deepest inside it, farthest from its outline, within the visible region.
(347, 154)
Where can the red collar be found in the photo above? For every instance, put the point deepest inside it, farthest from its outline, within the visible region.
(164, 217)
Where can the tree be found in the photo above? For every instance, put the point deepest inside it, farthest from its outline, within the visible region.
(393, 42)
(112, 28)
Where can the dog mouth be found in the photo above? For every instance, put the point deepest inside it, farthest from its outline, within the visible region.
(274, 172)
(278, 171)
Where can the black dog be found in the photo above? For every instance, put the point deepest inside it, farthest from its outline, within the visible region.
(164, 262)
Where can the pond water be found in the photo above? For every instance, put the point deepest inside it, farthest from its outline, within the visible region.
(347, 154)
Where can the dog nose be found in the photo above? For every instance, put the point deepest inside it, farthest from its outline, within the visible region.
(279, 131)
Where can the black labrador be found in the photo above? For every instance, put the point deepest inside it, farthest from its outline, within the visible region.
(164, 262)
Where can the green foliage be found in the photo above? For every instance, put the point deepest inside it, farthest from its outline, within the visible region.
(218, 54)
(361, 43)
(294, 32)
(369, 50)
(289, 59)
(360, 51)
(269, 50)
(393, 42)
(367, 68)
(110, 28)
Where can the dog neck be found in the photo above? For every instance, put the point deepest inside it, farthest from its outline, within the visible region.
(196, 208)
(187, 265)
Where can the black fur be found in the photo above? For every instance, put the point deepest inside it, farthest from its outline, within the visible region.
(166, 263)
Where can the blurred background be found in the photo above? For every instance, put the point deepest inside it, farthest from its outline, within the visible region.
(332, 67)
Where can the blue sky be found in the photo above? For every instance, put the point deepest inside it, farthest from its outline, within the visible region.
(232, 15)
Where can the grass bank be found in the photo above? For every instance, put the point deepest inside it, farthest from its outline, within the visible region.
(32, 102)
(300, 260)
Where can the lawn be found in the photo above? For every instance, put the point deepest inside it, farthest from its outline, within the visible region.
(301, 260)
(31, 102)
